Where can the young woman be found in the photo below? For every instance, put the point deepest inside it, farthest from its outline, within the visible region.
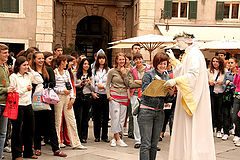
(100, 101)
(135, 83)
(236, 109)
(64, 133)
(65, 92)
(23, 126)
(227, 101)
(48, 56)
(151, 114)
(216, 74)
(116, 89)
(82, 79)
(45, 120)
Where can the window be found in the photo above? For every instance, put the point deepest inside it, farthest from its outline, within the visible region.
(231, 10)
(180, 9)
(9, 6)
(136, 12)
(227, 10)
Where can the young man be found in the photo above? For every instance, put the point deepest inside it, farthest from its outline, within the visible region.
(222, 54)
(192, 134)
(58, 50)
(135, 49)
(4, 89)
(135, 83)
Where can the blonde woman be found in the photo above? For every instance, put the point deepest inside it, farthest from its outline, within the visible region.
(116, 90)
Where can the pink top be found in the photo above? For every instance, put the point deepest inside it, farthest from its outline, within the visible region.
(236, 82)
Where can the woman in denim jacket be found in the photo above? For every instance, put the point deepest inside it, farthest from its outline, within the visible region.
(151, 115)
(229, 87)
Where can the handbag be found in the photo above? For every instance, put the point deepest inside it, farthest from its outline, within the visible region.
(211, 88)
(37, 100)
(11, 109)
(49, 96)
(68, 85)
(238, 113)
(137, 103)
(228, 94)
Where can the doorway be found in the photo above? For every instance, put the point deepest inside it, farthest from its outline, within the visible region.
(93, 33)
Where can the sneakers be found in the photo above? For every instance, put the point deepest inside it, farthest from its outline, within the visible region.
(232, 131)
(235, 139)
(225, 137)
(113, 143)
(219, 134)
(7, 149)
(43, 143)
(62, 145)
(80, 147)
(237, 143)
(121, 143)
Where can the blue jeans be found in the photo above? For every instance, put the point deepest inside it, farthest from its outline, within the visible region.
(236, 119)
(3, 129)
(150, 124)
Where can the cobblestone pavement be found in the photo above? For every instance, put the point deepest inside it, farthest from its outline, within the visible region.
(225, 150)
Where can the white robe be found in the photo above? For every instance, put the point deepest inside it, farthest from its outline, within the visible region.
(192, 134)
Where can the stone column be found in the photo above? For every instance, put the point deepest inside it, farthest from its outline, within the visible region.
(119, 32)
(68, 14)
(146, 17)
(44, 28)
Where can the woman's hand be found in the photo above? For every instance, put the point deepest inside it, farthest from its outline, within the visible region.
(100, 86)
(211, 83)
(110, 98)
(70, 104)
(227, 82)
(95, 95)
(171, 91)
(138, 82)
(220, 82)
(123, 70)
(29, 87)
(88, 81)
(67, 92)
(10, 89)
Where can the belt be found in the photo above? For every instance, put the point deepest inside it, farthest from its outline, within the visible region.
(146, 107)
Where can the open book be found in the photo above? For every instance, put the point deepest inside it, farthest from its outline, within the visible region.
(156, 89)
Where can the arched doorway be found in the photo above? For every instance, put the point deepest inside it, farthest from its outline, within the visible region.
(93, 33)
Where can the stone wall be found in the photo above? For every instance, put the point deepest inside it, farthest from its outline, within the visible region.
(44, 27)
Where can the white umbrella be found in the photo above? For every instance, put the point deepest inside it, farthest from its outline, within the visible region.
(231, 46)
(150, 42)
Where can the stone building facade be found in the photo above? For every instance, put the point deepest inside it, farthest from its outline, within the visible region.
(90, 25)
(26, 23)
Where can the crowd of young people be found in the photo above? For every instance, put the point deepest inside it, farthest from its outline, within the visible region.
(107, 93)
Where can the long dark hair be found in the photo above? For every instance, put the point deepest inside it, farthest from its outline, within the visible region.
(19, 61)
(80, 69)
(97, 65)
(33, 65)
(221, 65)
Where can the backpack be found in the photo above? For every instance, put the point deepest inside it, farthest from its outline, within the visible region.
(11, 110)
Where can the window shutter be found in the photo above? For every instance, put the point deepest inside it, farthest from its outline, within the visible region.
(9, 6)
(192, 10)
(14, 8)
(1, 6)
(168, 9)
(219, 10)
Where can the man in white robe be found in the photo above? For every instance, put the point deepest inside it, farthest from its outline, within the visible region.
(192, 133)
